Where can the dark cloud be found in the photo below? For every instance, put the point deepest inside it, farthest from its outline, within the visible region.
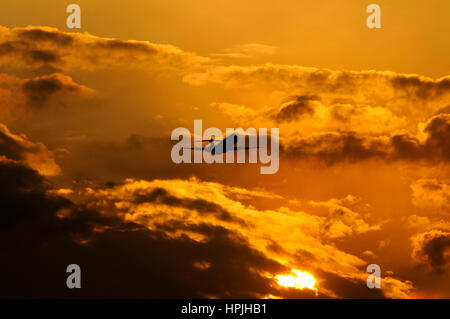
(30, 55)
(38, 49)
(445, 109)
(20, 97)
(435, 250)
(438, 141)
(346, 287)
(160, 195)
(40, 89)
(42, 35)
(336, 147)
(45, 57)
(349, 146)
(19, 148)
(7, 48)
(40, 234)
(23, 196)
(432, 248)
(420, 87)
(295, 108)
(115, 44)
(10, 147)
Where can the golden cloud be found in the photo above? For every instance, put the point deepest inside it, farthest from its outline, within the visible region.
(429, 192)
(20, 96)
(294, 238)
(48, 48)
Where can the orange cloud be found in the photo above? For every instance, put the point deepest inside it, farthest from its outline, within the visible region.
(181, 208)
(342, 221)
(48, 48)
(24, 95)
(348, 146)
(430, 193)
(19, 148)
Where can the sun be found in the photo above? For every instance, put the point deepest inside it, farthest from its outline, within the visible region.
(299, 279)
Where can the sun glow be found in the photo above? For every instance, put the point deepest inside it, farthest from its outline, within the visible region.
(299, 279)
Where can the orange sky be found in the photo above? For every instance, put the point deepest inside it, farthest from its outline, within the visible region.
(329, 34)
(364, 119)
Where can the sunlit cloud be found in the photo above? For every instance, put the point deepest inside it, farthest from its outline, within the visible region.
(298, 279)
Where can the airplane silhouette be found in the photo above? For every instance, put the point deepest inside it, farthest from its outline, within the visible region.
(221, 147)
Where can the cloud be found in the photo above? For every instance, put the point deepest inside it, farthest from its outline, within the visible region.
(18, 148)
(20, 96)
(445, 109)
(51, 50)
(432, 248)
(153, 235)
(248, 50)
(24, 196)
(291, 110)
(45, 48)
(335, 147)
(438, 139)
(43, 232)
(327, 81)
(178, 207)
(431, 193)
(342, 221)
(202, 206)
(398, 93)
(303, 115)
(257, 48)
(421, 87)
(39, 89)
(424, 223)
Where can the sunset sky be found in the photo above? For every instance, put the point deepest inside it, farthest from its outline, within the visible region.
(86, 174)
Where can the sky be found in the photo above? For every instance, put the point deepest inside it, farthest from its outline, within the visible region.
(86, 173)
